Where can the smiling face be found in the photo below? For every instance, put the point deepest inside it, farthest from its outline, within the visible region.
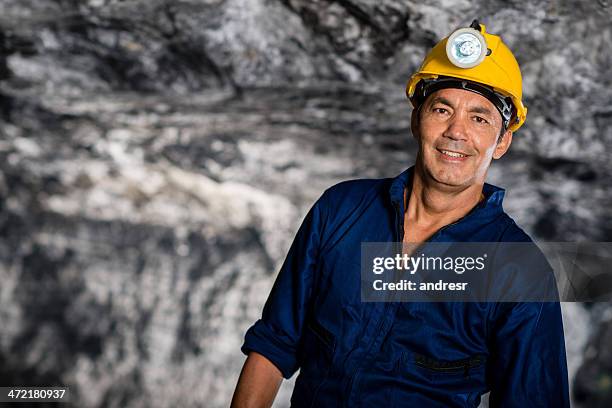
(458, 133)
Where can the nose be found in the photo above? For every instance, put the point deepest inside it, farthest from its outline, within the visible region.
(457, 128)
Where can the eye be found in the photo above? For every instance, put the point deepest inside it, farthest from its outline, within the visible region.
(481, 120)
(440, 110)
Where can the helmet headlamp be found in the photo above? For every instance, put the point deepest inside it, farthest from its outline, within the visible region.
(466, 48)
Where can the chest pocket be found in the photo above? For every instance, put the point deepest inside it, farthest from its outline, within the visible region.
(323, 335)
(317, 347)
(456, 383)
(467, 366)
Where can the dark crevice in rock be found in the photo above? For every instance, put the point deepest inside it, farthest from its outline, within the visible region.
(546, 226)
(572, 169)
(360, 15)
(187, 344)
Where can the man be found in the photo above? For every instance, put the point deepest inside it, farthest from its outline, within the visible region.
(467, 103)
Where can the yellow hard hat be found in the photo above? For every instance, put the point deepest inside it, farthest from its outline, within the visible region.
(470, 58)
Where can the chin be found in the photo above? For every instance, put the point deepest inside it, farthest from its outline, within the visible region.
(452, 179)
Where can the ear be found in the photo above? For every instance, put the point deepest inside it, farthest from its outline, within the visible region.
(503, 145)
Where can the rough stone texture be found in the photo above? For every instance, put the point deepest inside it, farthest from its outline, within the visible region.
(156, 158)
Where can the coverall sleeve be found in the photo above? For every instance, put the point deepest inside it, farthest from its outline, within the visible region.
(527, 365)
(277, 334)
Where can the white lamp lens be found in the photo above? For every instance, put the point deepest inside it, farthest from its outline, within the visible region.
(466, 48)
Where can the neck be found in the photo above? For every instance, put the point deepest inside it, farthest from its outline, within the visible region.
(432, 205)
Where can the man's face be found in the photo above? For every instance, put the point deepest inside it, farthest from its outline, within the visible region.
(458, 132)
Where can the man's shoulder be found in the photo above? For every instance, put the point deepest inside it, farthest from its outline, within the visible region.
(354, 191)
(350, 199)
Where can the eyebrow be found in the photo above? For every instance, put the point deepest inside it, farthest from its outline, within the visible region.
(475, 109)
(439, 99)
(481, 109)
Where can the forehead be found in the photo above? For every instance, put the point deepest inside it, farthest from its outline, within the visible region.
(461, 97)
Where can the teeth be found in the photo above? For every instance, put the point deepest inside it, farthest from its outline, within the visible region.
(452, 154)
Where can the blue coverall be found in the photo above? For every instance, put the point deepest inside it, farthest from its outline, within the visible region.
(439, 354)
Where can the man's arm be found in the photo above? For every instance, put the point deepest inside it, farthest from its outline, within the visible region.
(258, 383)
(272, 342)
(528, 364)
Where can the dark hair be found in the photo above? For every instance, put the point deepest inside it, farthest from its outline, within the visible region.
(502, 132)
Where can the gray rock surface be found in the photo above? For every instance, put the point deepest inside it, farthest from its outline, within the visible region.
(157, 157)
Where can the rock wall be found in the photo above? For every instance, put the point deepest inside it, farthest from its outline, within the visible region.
(157, 157)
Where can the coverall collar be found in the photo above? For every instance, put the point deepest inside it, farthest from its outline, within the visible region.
(492, 203)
